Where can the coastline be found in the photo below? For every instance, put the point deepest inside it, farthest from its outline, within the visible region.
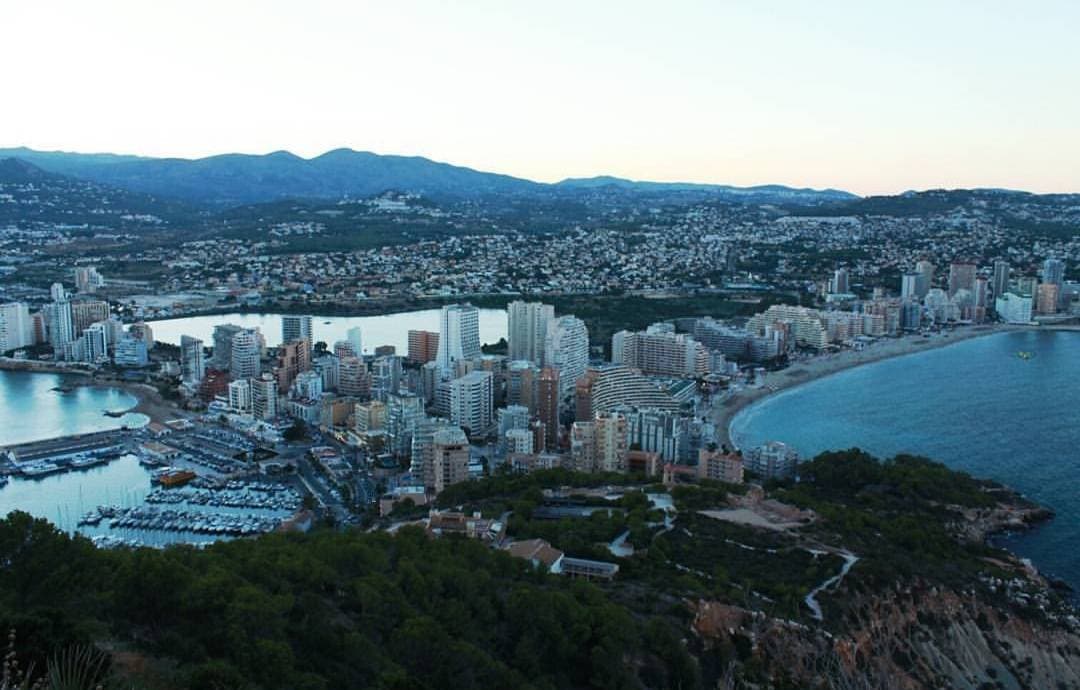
(148, 400)
(820, 366)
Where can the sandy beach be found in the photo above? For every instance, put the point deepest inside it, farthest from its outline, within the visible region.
(804, 371)
(149, 400)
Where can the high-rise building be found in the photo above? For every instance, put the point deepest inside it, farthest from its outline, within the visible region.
(548, 400)
(294, 358)
(354, 338)
(343, 348)
(1047, 299)
(471, 401)
(87, 279)
(1053, 271)
(87, 311)
(16, 326)
(1013, 308)
(1000, 283)
(600, 445)
(223, 336)
(720, 466)
(385, 377)
(521, 381)
(245, 363)
(240, 396)
(297, 328)
(660, 353)
(192, 361)
(130, 351)
(981, 295)
(353, 379)
(449, 462)
(512, 417)
(909, 286)
(961, 277)
(307, 386)
(839, 283)
(329, 367)
(264, 397)
(423, 346)
(527, 328)
(910, 315)
(566, 347)
(519, 442)
(807, 325)
(663, 432)
(404, 414)
(740, 344)
(607, 387)
(369, 417)
(142, 331)
(60, 323)
(773, 460)
(459, 335)
(926, 270)
(93, 345)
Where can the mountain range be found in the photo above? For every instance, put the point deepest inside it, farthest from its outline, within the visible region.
(235, 179)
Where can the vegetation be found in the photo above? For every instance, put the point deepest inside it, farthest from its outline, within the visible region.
(376, 610)
(296, 433)
(332, 610)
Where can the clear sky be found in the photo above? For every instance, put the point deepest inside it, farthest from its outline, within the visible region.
(866, 95)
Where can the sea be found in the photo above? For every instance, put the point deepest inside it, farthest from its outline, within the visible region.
(37, 406)
(1004, 406)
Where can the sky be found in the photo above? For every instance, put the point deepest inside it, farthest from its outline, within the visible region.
(870, 96)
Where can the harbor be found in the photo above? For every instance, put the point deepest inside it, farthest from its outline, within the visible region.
(129, 488)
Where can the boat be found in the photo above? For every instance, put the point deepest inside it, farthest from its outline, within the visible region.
(93, 518)
(40, 469)
(88, 461)
(175, 477)
(1025, 355)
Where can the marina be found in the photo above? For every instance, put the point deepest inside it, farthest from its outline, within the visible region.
(130, 499)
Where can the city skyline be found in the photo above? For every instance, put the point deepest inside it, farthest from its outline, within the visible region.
(726, 94)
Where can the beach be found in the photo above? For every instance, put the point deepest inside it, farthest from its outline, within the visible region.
(149, 400)
(807, 370)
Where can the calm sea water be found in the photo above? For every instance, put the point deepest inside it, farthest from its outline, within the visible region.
(387, 329)
(64, 498)
(975, 406)
(30, 410)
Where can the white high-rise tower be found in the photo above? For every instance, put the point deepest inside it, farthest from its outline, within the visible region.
(459, 335)
(527, 326)
(567, 349)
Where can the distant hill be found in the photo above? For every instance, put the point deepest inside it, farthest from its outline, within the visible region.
(760, 194)
(18, 171)
(936, 201)
(237, 179)
(30, 195)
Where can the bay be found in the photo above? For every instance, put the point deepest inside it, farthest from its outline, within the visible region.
(31, 409)
(976, 406)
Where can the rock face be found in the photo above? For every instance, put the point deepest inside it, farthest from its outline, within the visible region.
(907, 639)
